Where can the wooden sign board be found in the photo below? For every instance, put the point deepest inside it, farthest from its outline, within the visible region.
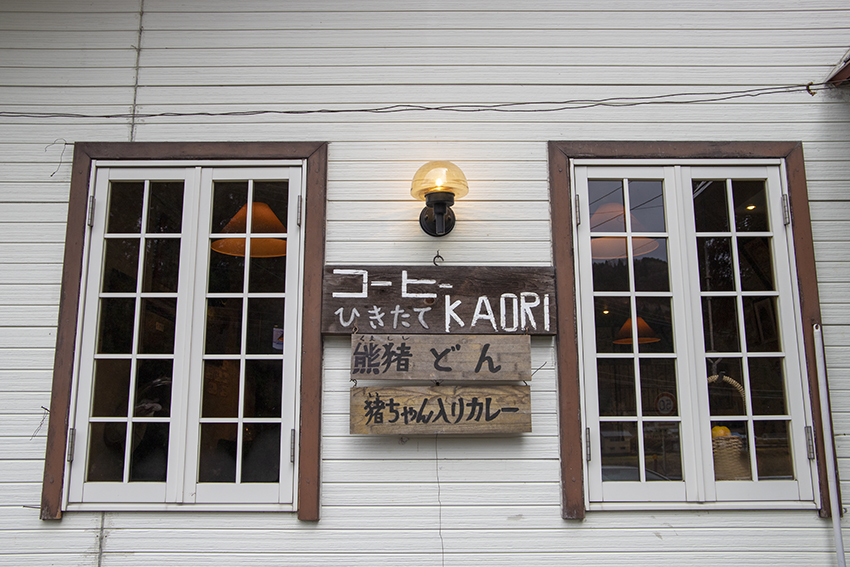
(441, 358)
(466, 300)
(420, 410)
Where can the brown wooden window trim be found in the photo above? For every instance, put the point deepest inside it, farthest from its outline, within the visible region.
(316, 154)
(560, 153)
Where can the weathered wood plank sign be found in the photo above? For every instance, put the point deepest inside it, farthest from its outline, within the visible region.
(440, 358)
(439, 300)
(420, 410)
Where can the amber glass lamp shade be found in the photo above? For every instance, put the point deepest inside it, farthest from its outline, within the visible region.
(645, 333)
(438, 183)
(439, 176)
(263, 220)
(611, 248)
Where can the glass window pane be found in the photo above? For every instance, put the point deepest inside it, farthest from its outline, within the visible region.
(616, 385)
(227, 271)
(111, 388)
(761, 324)
(115, 332)
(125, 207)
(773, 450)
(149, 459)
(716, 270)
(654, 324)
(263, 380)
(647, 206)
(750, 206)
(651, 268)
(658, 389)
(221, 388)
(731, 450)
(217, 459)
(767, 384)
(165, 206)
(720, 324)
(162, 263)
(265, 319)
(607, 209)
(106, 452)
(268, 275)
(726, 393)
(620, 457)
(156, 332)
(229, 198)
(611, 315)
(711, 212)
(662, 451)
(756, 264)
(153, 388)
(261, 452)
(120, 265)
(610, 270)
(275, 196)
(224, 326)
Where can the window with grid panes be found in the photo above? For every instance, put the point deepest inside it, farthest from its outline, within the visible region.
(187, 386)
(694, 389)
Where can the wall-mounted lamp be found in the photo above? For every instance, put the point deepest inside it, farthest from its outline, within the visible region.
(438, 183)
(263, 220)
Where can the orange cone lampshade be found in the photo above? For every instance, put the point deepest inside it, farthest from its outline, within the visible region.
(263, 220)
(645, 333)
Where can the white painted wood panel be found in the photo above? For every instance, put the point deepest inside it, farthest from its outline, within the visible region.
(497, 499)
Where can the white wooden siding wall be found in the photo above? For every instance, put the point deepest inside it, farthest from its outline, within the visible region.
(496, 501)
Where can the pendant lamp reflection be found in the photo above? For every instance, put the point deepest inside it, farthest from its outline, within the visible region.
(610, 217)
(263, 220)
(645, 333)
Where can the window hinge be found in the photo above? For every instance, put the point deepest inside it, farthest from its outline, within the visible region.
(72, 438)
(786, 210)
(578, 212)
(90, 217)
(292, 446)
(298, 211)
(587, 444)
(810, 443)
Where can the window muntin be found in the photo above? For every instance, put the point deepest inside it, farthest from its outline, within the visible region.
(653, 396)
(154, 268)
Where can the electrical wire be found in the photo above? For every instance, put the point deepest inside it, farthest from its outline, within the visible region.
(507, 107)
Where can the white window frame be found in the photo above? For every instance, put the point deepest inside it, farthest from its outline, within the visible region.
(698, 487)
(181, 487)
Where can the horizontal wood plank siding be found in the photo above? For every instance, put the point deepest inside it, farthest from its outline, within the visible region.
(253, 71)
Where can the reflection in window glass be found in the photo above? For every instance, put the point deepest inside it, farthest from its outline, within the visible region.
(750, 205)
(654, 324)
(710, 206)
(662, 451)
(773, 450)
(616, 379)
(647, 206)
(754, 257)
(651, 269)
(716, 268)
(611, 316)
(620, 457)
(607, 208)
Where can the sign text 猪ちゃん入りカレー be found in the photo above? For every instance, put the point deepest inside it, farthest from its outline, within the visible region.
(438, 300)
(441, 410)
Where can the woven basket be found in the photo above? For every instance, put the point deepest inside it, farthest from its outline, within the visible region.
(730, 454)
(730, 460)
